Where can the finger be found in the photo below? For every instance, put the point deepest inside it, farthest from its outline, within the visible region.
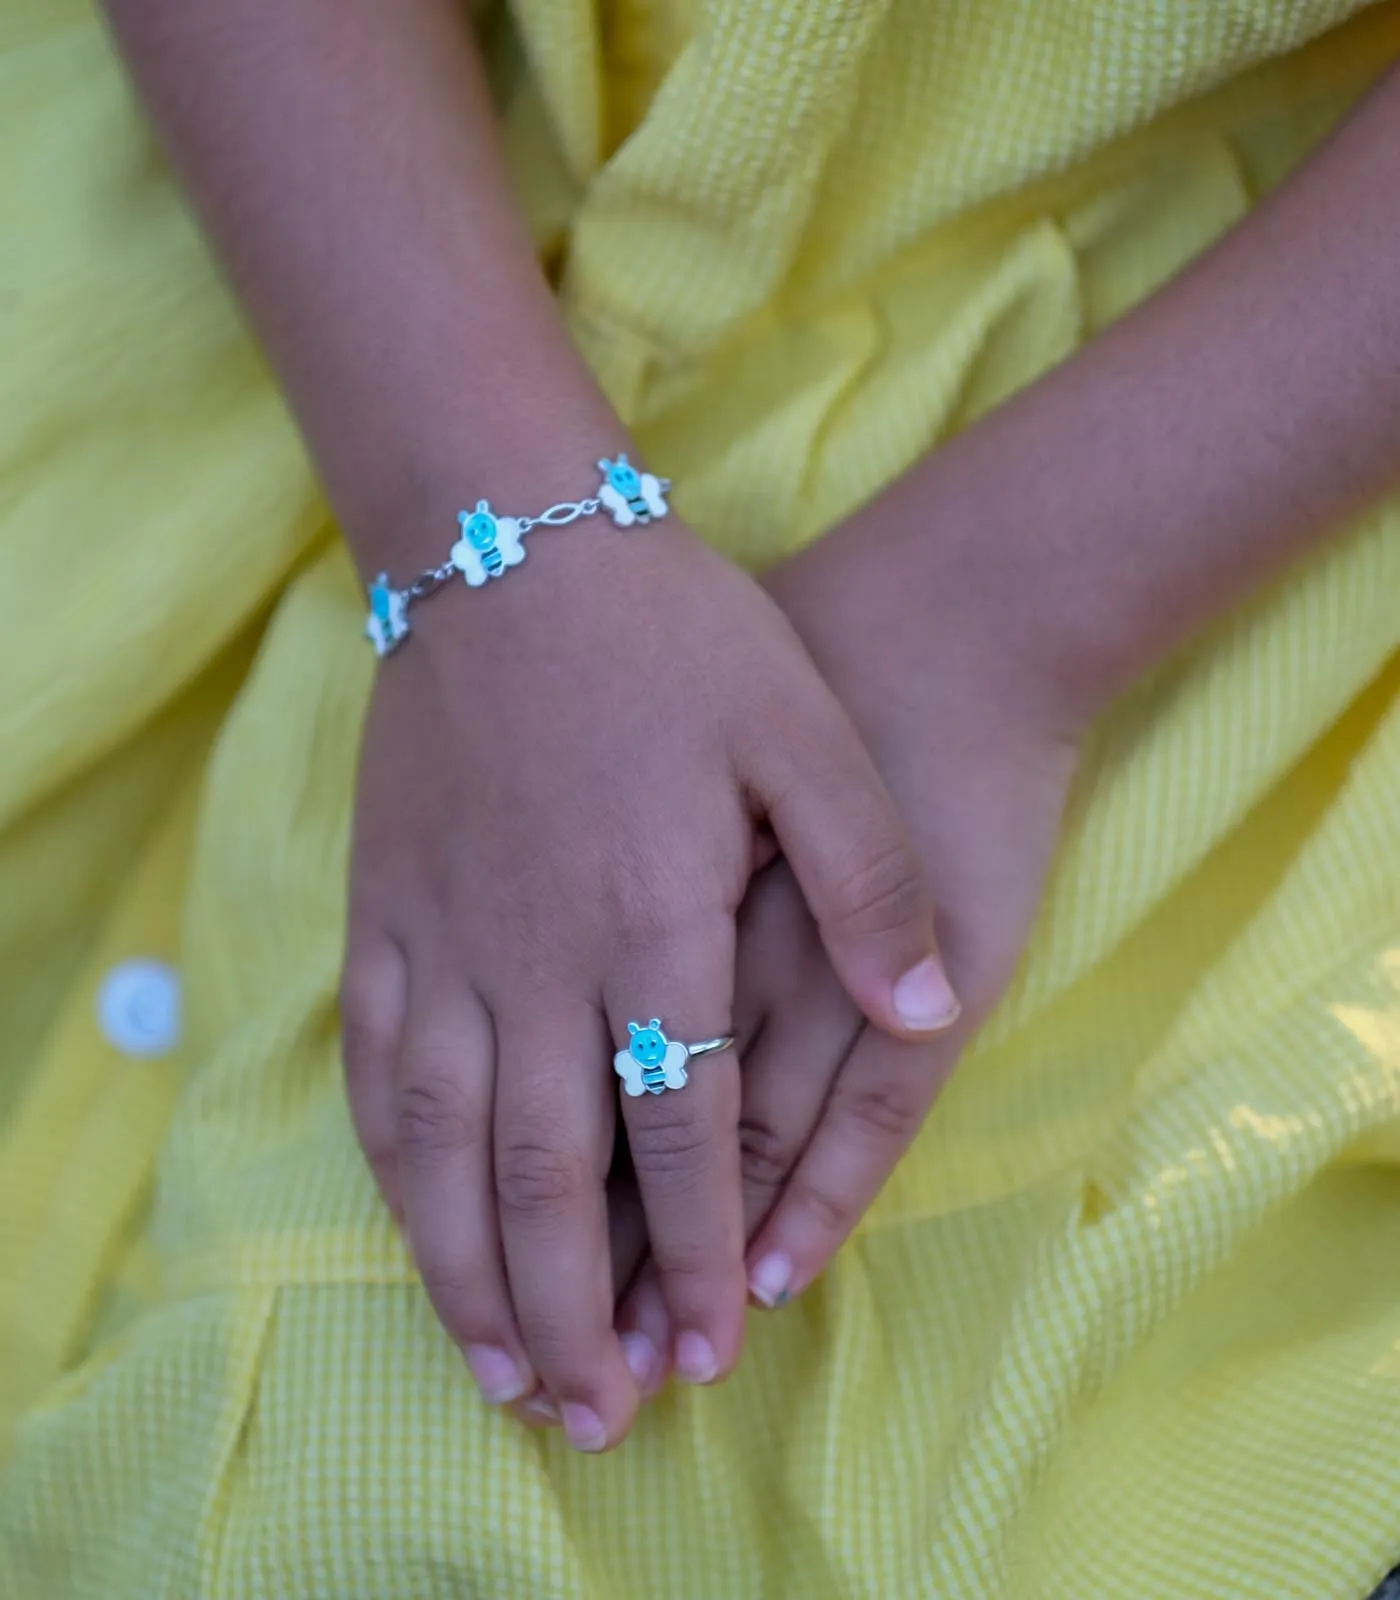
(785, 1082)
(443, 1136)
(778, 950)
(553, 1139)
(627, 1229)
(646, 1331)
(628, 1242)
(373, 995)
(787, 1078)
(683, 1140)
(645, 1327)
(865, 887)
(876, 1106)
(807, 1027)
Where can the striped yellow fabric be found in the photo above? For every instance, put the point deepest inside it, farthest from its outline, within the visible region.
(1126, 1320)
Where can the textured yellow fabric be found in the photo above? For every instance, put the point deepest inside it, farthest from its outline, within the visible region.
(1126, 1322)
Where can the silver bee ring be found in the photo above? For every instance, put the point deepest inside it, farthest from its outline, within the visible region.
(651, 1063)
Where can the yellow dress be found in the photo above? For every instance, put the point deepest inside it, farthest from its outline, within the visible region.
(1127, 1320)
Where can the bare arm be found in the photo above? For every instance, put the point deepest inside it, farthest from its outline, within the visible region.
(1190, 453)
(344, 158)
(564, 777)
(976, 616)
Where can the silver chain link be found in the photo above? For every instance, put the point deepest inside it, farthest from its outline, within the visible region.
(429, 582)
(559, 516)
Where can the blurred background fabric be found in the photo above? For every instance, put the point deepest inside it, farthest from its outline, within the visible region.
(1126, 1320)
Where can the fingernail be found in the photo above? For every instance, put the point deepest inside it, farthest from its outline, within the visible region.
(923, 998)
(496, 1374)
(541, 1406)
(583, 1428)
(640, 1355)
(769, 1280)
(695, 1358)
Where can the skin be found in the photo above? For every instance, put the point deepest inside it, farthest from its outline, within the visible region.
(951, 617)
(537, 853)
(1188, 456)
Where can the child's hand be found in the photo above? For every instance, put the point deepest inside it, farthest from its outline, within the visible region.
(562, 781)
(978, 752)
(978, 755)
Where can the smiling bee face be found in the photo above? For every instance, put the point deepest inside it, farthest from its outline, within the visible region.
(648, 1045)
(624, 477)
(480, 530)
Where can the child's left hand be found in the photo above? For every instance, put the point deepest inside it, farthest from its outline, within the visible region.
(978, 616)
(978, 750)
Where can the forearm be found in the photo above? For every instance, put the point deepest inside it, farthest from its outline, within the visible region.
(1189, 454)
(345, 162)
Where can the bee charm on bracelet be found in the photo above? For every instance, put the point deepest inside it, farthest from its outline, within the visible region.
(630, 496)
(386, 627)
(489, 544)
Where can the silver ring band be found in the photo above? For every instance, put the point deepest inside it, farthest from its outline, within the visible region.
(712, 1047)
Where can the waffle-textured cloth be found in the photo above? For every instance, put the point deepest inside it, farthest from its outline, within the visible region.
(1127, 1320)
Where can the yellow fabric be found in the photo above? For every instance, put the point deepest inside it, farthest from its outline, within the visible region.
(1126, 1321)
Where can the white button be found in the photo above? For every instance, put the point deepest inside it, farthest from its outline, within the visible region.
(138, 1008)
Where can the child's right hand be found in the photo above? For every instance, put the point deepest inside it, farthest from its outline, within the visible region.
(563, 774)
(562, 781)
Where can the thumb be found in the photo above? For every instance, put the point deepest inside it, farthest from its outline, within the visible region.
(859, 874)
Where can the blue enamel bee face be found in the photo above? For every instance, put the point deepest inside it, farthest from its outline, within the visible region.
(480, 529)
(648, 1045)
(624, 478)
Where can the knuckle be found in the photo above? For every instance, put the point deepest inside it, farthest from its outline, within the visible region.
(669, 920)
(830, 1214)
(561, 1351)
(461, 1307)
(890, 1108)
(669, 1146)
(450, 1291)
(643, 923)
(765, 1156)
(433, 1122)
(881, 894)
(535, 1175)
(689, 1263)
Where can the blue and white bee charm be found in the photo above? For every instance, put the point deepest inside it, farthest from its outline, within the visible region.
(386, 627)
(489, 544)
(630, 496)
(651, 1063)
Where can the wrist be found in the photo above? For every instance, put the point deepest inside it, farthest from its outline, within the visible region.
(1017, 601)
(930, 579)
(599, 563)
(399, 506)
(1042, 552)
